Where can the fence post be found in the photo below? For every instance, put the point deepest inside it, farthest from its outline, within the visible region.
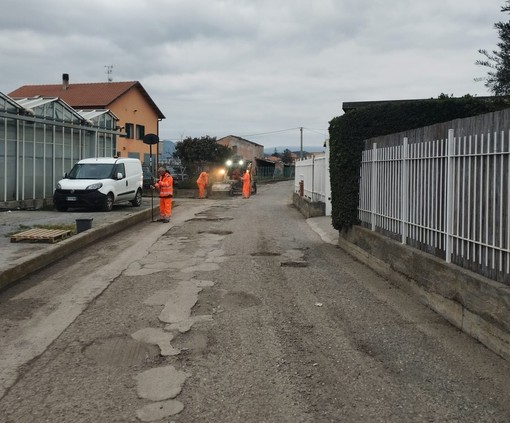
(405, 190)
(313, 178)
(374, 195)
(449, 196)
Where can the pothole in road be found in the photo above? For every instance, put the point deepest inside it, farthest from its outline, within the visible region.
(221, 208)
(20, 308)
(193, 343)
(294, 263)
(122, 351)
(265, 254)
(213, 301)
(239, 299)
(216, 232)
(208, 219)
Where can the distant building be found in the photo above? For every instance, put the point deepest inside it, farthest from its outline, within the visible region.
(166, 150)
(136, 112)
(241, 147)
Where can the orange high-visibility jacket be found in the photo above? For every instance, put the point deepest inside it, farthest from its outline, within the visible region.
(246, 178)
(203, 179)
(165, 185)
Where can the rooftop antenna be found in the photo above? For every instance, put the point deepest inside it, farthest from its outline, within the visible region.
(109, 71)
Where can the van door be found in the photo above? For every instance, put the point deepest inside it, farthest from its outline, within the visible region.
(122, 188)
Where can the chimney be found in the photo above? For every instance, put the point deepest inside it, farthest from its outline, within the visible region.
(65, 81)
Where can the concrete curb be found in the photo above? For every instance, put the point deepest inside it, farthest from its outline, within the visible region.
(329, 236)
(68, 246)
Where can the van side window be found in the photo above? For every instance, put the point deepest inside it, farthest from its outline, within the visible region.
(120, 169)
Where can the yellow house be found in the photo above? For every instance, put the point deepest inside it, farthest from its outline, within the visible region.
(137, 113)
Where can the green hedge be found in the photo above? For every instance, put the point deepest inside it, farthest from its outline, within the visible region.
(347, 134)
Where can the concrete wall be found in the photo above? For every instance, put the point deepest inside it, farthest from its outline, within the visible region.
(476, 305)
(31, 204)
(307, 208)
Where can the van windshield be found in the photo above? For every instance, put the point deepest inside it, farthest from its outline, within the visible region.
(91, 171)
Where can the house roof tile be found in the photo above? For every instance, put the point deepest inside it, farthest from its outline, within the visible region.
(97, 95)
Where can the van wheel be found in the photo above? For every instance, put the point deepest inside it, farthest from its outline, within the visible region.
(108, 202)
(137, 201)
(61, 208)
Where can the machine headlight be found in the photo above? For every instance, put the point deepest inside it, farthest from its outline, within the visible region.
(59, 186)
(229, 162)
(95, 186)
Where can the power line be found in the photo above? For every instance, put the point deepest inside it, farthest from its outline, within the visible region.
(317, 131)
(278, 131)
(269, 133)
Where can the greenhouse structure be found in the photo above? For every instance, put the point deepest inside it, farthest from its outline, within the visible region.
(40, 140)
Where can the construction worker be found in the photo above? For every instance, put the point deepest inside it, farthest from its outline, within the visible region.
(202, 182)
(246, 184)
(165, 186)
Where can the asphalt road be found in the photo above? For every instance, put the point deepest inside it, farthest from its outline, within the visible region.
(236, 311)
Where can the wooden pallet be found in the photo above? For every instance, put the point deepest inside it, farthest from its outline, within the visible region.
(41, 235)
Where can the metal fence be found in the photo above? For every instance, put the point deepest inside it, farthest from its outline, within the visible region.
(312, 173)
(446, 196)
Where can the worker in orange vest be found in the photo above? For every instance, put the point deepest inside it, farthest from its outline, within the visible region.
(246, 178)
(165, 186)
(202, 182)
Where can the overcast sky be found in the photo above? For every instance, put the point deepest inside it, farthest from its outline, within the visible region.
(260, 69)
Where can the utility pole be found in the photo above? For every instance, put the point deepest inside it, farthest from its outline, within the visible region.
(301, 130)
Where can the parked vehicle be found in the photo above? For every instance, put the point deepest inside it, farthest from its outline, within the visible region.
(99, 183)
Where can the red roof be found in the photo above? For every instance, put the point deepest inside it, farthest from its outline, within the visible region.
(97, 95)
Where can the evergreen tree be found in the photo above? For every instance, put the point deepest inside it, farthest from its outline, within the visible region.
(194, 153)
(498, 61)
(287, 156)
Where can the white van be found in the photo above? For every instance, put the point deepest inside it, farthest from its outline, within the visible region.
(100, 183)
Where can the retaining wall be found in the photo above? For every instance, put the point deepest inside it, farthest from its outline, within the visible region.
(307, 208)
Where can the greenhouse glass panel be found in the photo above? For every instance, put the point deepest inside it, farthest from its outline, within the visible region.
(28, 177)
(11, 161)
(49, 110)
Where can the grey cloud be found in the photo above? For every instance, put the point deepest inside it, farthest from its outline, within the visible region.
(251, 66)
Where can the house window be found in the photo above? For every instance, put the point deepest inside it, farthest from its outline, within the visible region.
(140, 132)
(129, 127)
